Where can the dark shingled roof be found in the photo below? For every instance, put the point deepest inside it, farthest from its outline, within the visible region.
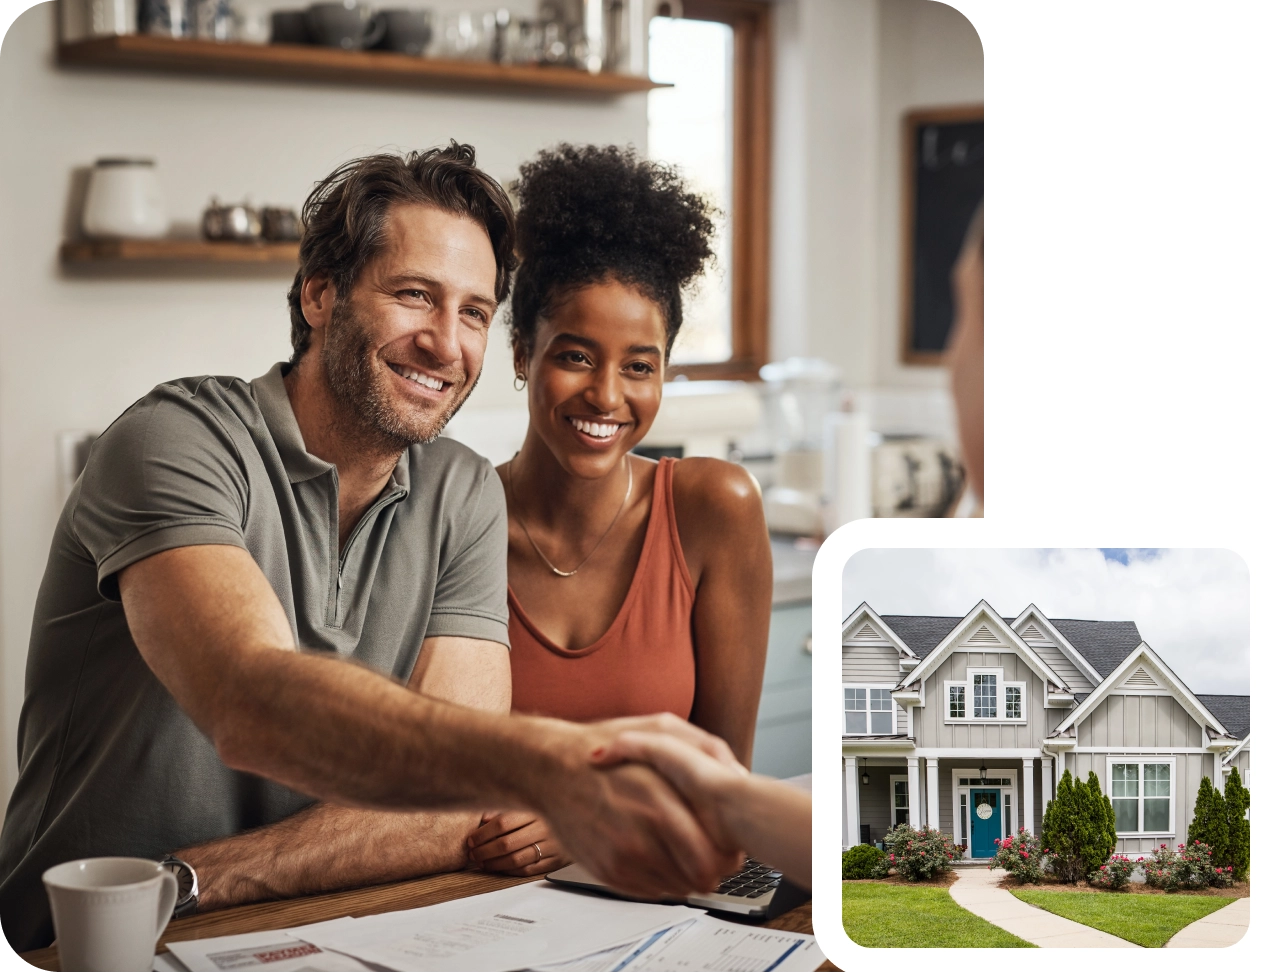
(1232, 712)
(1105, 644)
(921, 632)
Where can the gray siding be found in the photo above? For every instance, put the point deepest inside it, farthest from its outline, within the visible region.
(874, 799)
(871, 664)
(1138, 721)
(1057, 660)
(1241, 761)
(1189, 769)
(932, 730)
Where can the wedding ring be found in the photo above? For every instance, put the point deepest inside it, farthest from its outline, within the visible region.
(538, 850)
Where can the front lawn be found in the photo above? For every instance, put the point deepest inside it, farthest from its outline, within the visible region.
(1148, 920)
(884, 915)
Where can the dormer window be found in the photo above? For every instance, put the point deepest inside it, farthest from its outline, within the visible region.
(989, 699)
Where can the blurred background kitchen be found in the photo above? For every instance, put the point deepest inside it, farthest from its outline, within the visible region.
(156, 152)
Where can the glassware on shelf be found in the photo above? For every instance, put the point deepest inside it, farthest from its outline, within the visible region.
(215, 20)
(165, 18)
(465, 35)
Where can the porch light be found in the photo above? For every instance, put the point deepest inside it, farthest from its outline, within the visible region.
(982, 772)
(866, 778)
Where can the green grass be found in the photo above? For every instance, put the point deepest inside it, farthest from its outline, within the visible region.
(1140, 918)
(885, 915)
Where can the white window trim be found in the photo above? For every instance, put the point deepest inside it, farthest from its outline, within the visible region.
(893, 709)
(894, 781)
(1010, 790)
(1141, 759)
(1001, 686)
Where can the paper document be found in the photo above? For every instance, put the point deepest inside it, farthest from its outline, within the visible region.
(167, 962)
(517, 928)
(267, 950)
(707, 944)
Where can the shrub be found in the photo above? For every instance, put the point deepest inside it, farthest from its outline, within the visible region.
(918, 854)
(1189, 867)
(864, 863)
(1115, 873)
(1021, 856)
(1079, 828)
(1209, 825)
(1237, 803)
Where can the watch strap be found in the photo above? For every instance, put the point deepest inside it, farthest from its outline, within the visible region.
(188, 885)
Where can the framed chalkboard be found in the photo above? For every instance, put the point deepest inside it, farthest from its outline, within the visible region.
(941, 190)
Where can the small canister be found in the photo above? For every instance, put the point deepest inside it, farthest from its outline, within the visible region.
(230, 222)
(124, 200)
(280, 224)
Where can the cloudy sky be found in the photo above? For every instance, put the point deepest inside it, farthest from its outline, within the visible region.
(1191, 606)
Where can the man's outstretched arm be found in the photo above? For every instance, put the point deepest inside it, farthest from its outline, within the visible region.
(330, 847)
(209, 626)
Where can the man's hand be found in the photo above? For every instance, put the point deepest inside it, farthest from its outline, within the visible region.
(515, 843)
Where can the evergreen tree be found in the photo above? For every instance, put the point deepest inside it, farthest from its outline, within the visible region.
(1099, 829)
(1210, 822)
(1237, 802)
(1061, 829)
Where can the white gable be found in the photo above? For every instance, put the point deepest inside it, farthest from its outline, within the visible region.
(1036, 629)
(983, 636)
(867, 633)
(1140, 680)
(1033, 634)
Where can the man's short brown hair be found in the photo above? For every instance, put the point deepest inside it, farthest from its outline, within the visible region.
(344, 217)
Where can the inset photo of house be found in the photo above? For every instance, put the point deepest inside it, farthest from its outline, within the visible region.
(1045, 748)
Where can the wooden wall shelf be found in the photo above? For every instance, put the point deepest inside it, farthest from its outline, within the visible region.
(301, 62)
(178, 252)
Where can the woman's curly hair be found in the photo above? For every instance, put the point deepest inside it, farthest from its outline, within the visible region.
(592, 213)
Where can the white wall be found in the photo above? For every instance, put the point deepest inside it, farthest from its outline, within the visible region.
(847, 70)
(76, 351)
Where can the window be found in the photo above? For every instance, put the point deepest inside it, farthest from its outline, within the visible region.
(1142, 796)
(1013, 703)
(984, 696)
(964, 819)
(901, 802)
(868, 709)
(715, 125)
(1008, 814)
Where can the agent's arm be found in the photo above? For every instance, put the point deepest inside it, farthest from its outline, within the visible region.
(770, 819)
(329, 847)
(207, 623)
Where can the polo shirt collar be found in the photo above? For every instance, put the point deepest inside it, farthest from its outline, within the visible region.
(299, 464)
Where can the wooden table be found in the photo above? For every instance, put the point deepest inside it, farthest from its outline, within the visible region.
(282, 914)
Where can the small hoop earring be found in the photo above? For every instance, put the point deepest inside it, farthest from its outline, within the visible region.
(520, 382)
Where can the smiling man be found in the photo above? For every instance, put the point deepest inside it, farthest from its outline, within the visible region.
(263, 594)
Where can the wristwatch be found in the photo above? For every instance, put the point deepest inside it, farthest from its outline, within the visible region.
(188, 885)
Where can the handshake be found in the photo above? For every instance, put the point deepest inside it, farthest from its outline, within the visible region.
(653, 806)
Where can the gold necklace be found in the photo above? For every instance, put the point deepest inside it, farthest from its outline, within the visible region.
(538, 550)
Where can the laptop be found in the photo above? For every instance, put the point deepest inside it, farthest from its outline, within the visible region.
(755, 891)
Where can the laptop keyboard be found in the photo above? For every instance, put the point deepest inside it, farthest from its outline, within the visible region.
(754, 879)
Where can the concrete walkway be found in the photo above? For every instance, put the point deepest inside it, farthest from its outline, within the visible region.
(1222, 928)
(977, 892)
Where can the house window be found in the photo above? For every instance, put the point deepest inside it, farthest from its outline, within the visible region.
(984, 697)
(868, 709)
(1142, 796)
(1008, 814)
(1013, 703)
(901, 802)
(964, 819)
(957, 701)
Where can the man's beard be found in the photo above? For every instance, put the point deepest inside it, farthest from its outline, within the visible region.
(362, 395)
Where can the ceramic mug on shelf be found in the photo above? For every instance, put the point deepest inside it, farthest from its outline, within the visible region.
(406, 31)
(124, 200)
(109, 912)
(348, 25)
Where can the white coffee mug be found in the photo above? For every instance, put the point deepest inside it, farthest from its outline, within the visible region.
(109, 912)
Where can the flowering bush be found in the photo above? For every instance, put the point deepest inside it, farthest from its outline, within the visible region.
(1186, 868)
(1116, 872)
(1021, 856)
(918, 854)
(864, 863)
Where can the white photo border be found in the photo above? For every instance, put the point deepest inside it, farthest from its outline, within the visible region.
(1033, 531)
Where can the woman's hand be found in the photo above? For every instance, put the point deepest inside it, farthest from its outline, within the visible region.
(515, 843)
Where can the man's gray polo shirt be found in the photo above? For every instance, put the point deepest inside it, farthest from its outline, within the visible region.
(109, 765)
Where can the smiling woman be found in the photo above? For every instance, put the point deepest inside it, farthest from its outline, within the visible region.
(634, 587)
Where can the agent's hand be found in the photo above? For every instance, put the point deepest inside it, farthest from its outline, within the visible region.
(515, 843)
(626, 823)
(705, 781)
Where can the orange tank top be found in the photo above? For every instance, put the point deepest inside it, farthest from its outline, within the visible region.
(643, 664)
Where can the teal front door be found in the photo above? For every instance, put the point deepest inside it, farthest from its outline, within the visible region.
(984, 821)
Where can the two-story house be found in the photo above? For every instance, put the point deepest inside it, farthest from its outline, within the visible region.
(966, 725)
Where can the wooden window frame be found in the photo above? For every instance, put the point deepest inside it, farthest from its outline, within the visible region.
(752, 23)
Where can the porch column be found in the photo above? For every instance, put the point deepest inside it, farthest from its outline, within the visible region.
(1029, 793)
(913, 791)
(853, 835)
(1046, 785)
(931, 774)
